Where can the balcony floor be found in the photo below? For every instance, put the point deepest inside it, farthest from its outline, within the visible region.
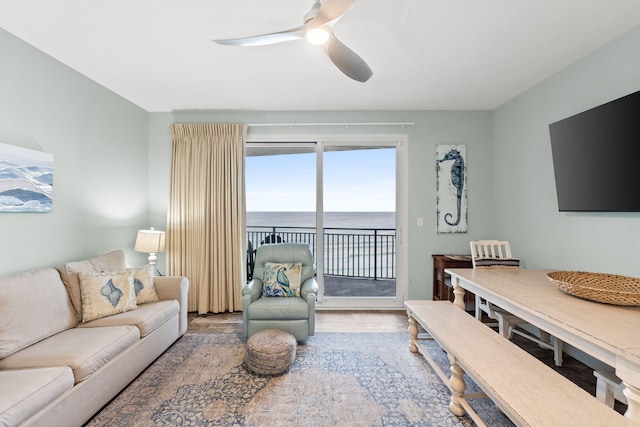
(340, 286)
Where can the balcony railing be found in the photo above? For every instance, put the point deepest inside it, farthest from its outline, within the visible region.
(348, 252)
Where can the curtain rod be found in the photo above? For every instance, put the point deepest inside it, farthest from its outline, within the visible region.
(333, 124)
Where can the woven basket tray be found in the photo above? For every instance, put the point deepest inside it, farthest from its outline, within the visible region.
(605, 288)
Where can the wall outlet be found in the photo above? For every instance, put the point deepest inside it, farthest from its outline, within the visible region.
(420, 222)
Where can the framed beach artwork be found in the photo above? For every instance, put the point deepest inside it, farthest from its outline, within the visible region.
(26, 180)
(451, 191)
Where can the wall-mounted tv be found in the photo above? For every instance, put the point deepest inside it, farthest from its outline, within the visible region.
(596, 158)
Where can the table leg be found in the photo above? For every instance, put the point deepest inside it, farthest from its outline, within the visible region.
(627, 370)
(413, 333)
(458, 292)
(457, 386)
(633, 399)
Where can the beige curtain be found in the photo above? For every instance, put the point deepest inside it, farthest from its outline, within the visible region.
(206, 235)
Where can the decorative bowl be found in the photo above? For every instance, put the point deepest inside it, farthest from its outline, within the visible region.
(599, 287)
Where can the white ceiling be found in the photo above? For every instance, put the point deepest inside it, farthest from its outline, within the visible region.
(425, 54)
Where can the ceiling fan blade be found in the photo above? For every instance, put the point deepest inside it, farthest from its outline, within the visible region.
(332, 10)
(265, 39)
(347, 60)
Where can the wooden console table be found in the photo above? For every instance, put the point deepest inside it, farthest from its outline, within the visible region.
(607, 332)
(442, 287)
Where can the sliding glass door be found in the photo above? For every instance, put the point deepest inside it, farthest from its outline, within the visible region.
(280, 195)
(359, 221)
(340, 197)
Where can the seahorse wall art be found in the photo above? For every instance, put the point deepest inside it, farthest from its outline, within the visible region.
(451, 190)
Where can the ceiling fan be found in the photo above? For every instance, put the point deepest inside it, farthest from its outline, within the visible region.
(317, 29)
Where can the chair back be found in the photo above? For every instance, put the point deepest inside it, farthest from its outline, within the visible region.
(281, 253)
(251, 259)
(492, 253)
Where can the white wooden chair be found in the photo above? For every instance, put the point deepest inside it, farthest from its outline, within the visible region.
(497, 254)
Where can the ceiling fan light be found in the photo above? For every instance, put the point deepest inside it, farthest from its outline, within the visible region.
(317, 35)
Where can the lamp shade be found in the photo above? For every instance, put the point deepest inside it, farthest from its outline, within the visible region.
(150, 241)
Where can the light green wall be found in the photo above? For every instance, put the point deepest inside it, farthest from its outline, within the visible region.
(431, 128)
(111, 166)
(99, 144)
(525, 206)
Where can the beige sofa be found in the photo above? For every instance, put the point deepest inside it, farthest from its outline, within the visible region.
(56, 367)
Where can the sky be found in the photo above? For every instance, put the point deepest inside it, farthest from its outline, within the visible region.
(354, 181)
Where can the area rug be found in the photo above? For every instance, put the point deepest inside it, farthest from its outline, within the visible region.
(337, 379)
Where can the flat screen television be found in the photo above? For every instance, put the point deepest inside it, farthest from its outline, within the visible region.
(596, 158)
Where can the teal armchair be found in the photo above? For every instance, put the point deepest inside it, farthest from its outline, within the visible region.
(295, 315)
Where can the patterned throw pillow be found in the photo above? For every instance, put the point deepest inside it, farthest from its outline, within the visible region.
(112, 261)
(143, 284)
(106, 294)
(282, 279)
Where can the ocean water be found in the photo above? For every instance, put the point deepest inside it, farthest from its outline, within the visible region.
(331, 219)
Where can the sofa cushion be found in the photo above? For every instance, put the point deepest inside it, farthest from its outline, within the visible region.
(112, 261)
(147, 317)
(34, 305)
(143, 284)
(84, 350)
(278, 309)
(31, 390)
(106, 294)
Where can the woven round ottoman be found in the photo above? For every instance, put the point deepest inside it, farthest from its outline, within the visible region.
(270, 352)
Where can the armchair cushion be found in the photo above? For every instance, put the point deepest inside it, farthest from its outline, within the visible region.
(278, 309)
(282, 279)
(284, 252)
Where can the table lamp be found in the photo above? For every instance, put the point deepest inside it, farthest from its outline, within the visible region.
(150, 241)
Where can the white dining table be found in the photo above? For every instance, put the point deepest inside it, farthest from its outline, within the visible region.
(606, 332)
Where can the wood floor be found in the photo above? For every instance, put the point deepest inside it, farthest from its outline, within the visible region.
(326, 321)
(361, 321)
